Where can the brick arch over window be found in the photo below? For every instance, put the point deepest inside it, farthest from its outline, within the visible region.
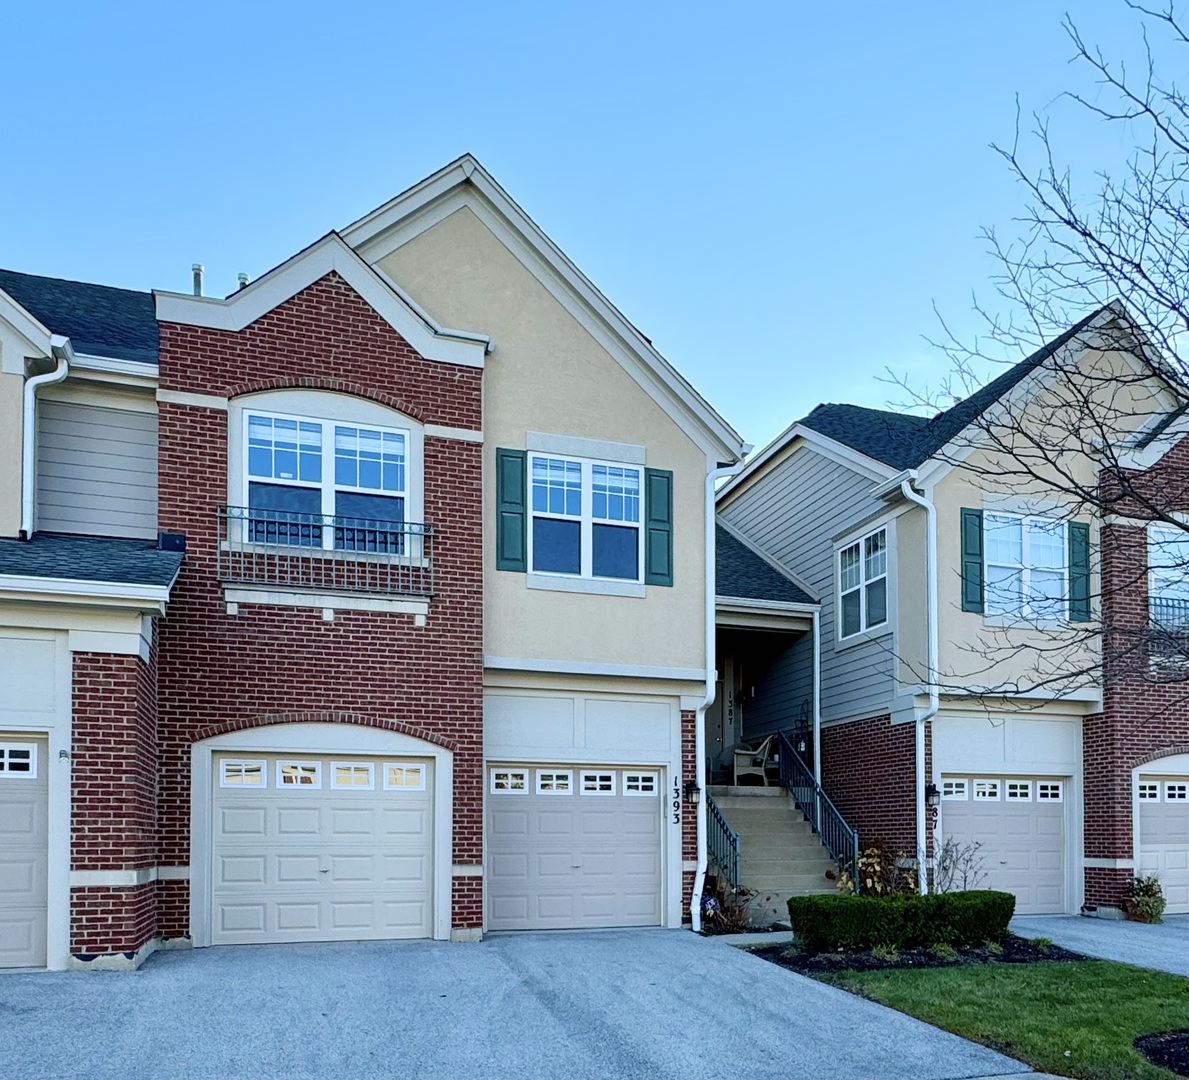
(209, 731)
(337, 386)
(1169, 751)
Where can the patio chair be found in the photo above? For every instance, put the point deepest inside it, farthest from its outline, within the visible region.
(754, 761)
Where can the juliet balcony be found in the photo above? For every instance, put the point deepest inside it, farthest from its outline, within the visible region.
(1168, 629)
(282, 549)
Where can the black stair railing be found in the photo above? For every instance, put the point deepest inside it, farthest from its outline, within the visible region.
(838, 838)
(723, 843)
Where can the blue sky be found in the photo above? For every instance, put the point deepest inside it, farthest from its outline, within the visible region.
(776, 193)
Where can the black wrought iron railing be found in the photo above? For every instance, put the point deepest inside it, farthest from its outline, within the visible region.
(324, 552)
(838, 838)
(1168, 629)
(723, 843)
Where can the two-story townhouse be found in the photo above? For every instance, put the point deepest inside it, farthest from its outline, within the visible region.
(952, 707)
(320, 620)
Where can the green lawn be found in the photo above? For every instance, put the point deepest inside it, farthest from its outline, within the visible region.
(1039, 1013)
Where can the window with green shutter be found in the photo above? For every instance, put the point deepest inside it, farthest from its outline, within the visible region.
(511, 511)
(972, 560)
(658, 515)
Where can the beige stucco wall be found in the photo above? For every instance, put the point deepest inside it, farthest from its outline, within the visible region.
(912, 624)
(977, 651)
(548, 374)
(11, 387)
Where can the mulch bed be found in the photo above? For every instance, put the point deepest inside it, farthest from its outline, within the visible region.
(1168, 1049)
(1014, 950)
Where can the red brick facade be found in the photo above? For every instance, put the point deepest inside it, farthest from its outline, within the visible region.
(689, 818)
(869, 772)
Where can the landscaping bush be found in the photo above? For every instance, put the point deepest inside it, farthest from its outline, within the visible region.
(902, 922)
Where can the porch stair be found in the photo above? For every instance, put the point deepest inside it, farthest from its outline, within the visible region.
(778, 850)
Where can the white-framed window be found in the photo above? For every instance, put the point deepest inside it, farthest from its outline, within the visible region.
(1176, 791)
(555, 781)
(955, 790)
(1019, 791)
(325, 483)
(404, 776)
(1026, 562)
(986, 790)
(863, 584)
(1149, 791)
(598, 783)
(509, 781)
(641, 783)
(299, 774)
(1050, 791)
(1168, 576)
(249, 773)
(18, 759)
(586, 518)
(353, 775)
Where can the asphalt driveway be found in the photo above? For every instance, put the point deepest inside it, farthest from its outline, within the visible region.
(610, 1004)
(1164, 946)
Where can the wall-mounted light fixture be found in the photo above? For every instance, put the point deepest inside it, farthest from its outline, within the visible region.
(692, 793)
(932, 796)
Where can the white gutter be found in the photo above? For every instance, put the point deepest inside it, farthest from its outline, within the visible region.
(712, 477)
(60, 347)
(911, 495)
(817, 696)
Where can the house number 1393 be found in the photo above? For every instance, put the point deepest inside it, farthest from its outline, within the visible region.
(677, 802)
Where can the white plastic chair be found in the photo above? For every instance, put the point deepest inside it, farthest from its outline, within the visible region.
(754, 761)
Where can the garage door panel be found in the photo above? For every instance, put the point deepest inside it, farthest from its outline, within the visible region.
(24, 856)
(320, 864)
(565, 859)
(1164, 840)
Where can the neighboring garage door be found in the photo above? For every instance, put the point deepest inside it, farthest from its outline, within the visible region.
(1164, 836)
(573, 847)
(321, 848)
(1019, 823)
(24, 852)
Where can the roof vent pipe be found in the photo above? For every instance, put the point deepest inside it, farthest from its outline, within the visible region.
(243, 279)
(198, 269)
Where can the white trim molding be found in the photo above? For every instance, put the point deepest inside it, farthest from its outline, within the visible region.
(440, 431)
(1109, 864)
(198, 401)
(233, 595)
(576, 446)
(578, 667)
(302, 270)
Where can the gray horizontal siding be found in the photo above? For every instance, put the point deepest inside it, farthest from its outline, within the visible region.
(783, 692)
(96, 470)
(793, 514)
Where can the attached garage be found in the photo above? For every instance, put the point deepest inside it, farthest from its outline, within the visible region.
(573, 847)
(308, 847)
(24, 852)
(1164, 835)
(1019, 824)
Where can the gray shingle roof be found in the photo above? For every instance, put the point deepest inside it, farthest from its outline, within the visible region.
(98, 319)
(905, 441)
(89, 558)
(743, 573)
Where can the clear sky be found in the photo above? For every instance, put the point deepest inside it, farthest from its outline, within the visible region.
(776, 193)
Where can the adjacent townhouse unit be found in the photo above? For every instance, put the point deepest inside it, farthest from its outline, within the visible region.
(321, 620)
(967, 603)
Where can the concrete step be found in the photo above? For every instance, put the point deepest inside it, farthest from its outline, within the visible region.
(751, 812)
(792, 864)
(789, 883)
(741, 791)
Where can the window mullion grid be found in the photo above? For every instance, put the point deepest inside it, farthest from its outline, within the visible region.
(328, 466)
(587, 530)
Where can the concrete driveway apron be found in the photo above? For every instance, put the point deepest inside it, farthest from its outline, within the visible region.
(1164, 946)
(605, 1004)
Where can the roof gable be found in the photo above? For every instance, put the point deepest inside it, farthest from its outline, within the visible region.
(743, 573)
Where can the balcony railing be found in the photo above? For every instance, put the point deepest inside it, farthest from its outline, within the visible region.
(1168, 629)
(324, 553)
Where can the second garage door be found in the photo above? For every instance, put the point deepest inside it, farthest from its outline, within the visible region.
(24, 851)
(1164, 836)
(1019, 825)
(321, 849)
(573, 847)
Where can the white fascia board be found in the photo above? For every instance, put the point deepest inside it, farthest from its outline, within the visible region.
(583, 667)
(34, 332)
(287, 280)
(14, 586)
(124, 372)
(846, 455)
(790, 607)
(466, 178)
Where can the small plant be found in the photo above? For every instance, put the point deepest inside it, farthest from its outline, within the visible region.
(1144, 899)
(888, 953)
(1044, 944)
(943, 950)
(993, 947)
(959, 867)
(880, 872)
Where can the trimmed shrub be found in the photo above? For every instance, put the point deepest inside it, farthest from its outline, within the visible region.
(902, 922)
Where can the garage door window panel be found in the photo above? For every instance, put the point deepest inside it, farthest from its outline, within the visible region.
(986, 790)
(305, 775)
(509, 782)
(598, 783)
(243, 774)
(18, 760)
(404, 776)
(1176, 791)
(641, 783)
(1050, 791)
(555, 782)
(955, 790)
(1019, 791)
(352, 775)
(1149, 792)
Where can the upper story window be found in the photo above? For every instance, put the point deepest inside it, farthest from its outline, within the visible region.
(585, 518)
(1168, 575)
(863, 584)
(1026, 571)
(320, 483)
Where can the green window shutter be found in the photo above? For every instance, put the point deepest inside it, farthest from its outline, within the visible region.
(658, 520)
(1079, 571)
(511, 510)
(972, 560)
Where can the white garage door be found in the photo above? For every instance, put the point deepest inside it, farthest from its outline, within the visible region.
(1019, 823)
(573, 847)
(1164, 836)
(321, 848)
(24, 852)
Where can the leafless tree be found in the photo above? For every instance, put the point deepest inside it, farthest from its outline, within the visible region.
(1112, 257)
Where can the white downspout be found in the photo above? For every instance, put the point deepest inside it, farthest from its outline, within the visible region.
(60, 347)
(695, 900)
(817, 696)
(907, 491)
